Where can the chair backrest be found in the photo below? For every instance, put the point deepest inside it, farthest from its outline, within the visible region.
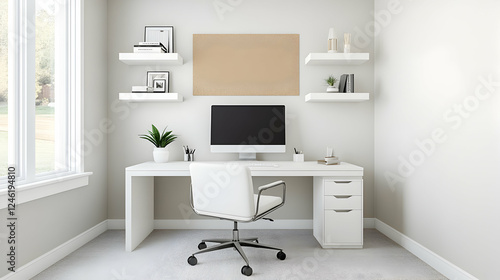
(222, 190)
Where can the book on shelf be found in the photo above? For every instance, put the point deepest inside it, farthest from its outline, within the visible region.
(151, 44)
(150, 47)
(149, 50)
(141, 89)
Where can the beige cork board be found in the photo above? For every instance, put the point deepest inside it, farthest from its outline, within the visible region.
(245, 64)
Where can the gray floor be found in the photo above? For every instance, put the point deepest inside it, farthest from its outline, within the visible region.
(164, 253)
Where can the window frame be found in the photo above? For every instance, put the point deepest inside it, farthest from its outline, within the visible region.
(21, 105)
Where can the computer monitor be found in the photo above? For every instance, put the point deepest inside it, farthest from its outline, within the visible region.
(247, 129)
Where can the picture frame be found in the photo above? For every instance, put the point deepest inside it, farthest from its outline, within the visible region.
(163, 34)
(155, 75)
(159, 85)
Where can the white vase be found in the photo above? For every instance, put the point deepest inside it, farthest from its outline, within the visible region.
(332, 89)
(160, 155)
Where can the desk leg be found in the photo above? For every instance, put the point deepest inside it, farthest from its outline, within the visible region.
(139, 210)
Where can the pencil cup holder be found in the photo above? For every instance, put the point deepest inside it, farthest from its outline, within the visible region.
(298, 157)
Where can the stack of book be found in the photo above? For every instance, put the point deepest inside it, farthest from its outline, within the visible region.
(330, 160)
(150, 47)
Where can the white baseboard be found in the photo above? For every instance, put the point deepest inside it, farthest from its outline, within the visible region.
(443, 266)
(41, 263)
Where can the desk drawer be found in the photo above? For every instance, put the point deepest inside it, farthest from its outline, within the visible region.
(343, 226)
(343, 187)
(343, 202)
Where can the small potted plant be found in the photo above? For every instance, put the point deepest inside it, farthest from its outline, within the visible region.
(331, 81)
(160, 141)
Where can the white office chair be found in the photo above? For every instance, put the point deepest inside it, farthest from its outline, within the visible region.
(225, 191)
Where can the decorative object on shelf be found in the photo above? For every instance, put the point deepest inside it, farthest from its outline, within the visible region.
(330, 81)
(346, 83)
(162, 34)
(188, 153)
(159, 85)
(298, 156)
(332, 41)
(160, 141)
(156, 75)
(347, 42)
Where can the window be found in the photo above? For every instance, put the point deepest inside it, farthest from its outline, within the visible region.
(4, 85)
(40, 88)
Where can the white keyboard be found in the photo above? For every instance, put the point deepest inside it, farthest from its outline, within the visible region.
(257, 164)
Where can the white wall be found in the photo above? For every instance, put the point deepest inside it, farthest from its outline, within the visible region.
(432, 58)
(47, 223)
(311, 127)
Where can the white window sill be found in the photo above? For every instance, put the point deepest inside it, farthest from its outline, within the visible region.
(36, 190)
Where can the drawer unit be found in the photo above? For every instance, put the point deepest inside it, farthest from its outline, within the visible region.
(338, 212)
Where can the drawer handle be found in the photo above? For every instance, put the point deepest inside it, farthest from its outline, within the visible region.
(342, 211)
(342, 182)
(342, 196)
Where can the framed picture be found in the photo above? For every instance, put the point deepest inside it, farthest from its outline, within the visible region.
(163, 34)
(158, 75)
(159, 85)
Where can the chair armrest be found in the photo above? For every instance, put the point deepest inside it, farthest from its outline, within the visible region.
(264, 188)
(270, 185)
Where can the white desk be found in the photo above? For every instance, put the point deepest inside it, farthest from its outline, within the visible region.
(330, 182)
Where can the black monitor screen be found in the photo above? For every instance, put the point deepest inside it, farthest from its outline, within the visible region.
(248, 125)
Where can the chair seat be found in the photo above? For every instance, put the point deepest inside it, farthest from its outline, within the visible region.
(266, 202)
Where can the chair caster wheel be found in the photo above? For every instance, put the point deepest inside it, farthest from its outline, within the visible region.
(246, 270)
(202, 245)
(192, 260)
(281, 255)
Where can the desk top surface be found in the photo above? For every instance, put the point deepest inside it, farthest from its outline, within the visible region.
(265, 168)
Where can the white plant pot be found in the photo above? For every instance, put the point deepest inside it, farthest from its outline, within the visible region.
(332, 89)
(160, 155)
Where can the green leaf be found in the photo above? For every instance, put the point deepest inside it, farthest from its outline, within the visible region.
(157, 139)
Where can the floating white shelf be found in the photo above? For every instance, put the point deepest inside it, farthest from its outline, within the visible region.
(151, 97)
(337, 97)
(151, 58)
(337, 58)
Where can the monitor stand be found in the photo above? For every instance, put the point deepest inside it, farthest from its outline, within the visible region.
(248, 156)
